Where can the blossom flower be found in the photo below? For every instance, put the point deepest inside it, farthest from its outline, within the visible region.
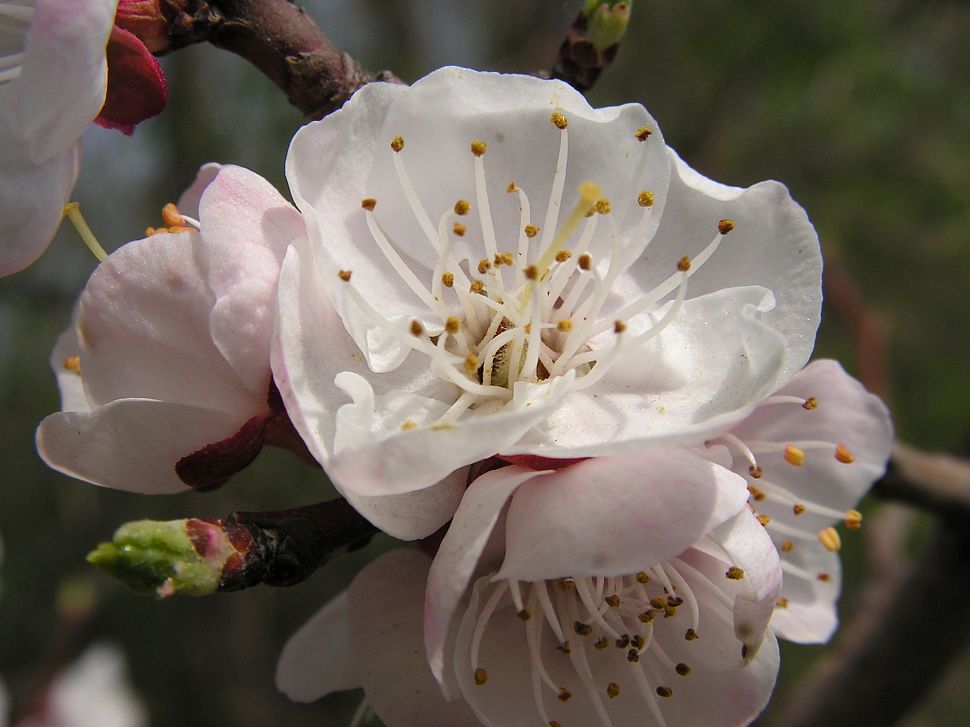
(55, 57)
(91, 691)
(165, 375)
(494, 267)
(809, 453)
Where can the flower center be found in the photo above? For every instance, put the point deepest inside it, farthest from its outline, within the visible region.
(533, 310)
(15, 18)
(614, 636)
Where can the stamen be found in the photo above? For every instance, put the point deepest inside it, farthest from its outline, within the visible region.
(72, 210)
(843, 455)
(482, 622)
(794, 455)
(830, 539)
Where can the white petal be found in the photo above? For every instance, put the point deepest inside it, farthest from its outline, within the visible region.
(386, 605)
(317, 660)
(613, 516)
(810, 616)
(188, 201)
(62, 84)
(773, 245)
(706, 371)
(131, 444)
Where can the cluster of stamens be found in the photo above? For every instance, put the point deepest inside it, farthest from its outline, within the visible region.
(525, 312)
(173, 221)
(762, 489)
(628, 614)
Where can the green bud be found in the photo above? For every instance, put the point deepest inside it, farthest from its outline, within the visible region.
(163, 558)
(607, 21)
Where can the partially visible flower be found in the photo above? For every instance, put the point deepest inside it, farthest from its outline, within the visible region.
(63, 64)
(495, 268)
(370, 636)
(809, 453)
(165, 374)
(91, 691)
(626, 590)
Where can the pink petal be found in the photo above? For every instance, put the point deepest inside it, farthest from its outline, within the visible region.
(136, 85)
(188, 202)
(130, 444)
(612, 516)
(459, 553)
(318, 659)
(68, 378)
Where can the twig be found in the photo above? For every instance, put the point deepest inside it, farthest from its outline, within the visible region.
(281, 40)
(938, 483)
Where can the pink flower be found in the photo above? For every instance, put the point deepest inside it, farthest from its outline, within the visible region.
(56, 77)
(456, 301)
(165, 375)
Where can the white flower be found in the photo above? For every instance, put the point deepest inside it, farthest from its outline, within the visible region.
(164, 375)
(53, 84)
(456, 300)
(809, 453)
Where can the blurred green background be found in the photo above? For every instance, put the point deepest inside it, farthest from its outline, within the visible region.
(862, 109)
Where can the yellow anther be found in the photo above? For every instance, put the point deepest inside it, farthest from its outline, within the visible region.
(725, 226)
(601, 643)
(755, 471)
(619, 326)
(531, 272)
(642, 577)
(447, 279)
(603, 206)
(658, 602)
(565, 647)
(613, 601)
(798, 509)
(734, 573)
(409, 424)
(484, 265)
(171, 216)
(368, 203)
(853, 519)
(512, 188)
(453, 324)
(612, 690)
(72, 363)
(567, 584)
(682, 669)
(345, 275)
(477, 286)
(565, 325)
(794, 455)
(665, 692)
(564, 694)
(830, 539)
(646, 617)
(691, 635)
(582, 629)
(757, 494)
(558, 120)
(633, 656)
(504, 258)
(622, 642)
(782, 603)
(843, 455)
(531, 231)
(764, 520)
(459, 229)
(683, 265)
(478, 147)
(645, 198)
(643, 133)
(471, 363)
(416, 328)
(397, 143)
(481, 676)
(823, 577)
(786, 547)
(585, 261)
(462, 206)
(525, 614)
(563, 255)
(810, 403)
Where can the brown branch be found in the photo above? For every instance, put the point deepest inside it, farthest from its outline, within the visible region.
(899, 643)
(281, 40)
(938, 483)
